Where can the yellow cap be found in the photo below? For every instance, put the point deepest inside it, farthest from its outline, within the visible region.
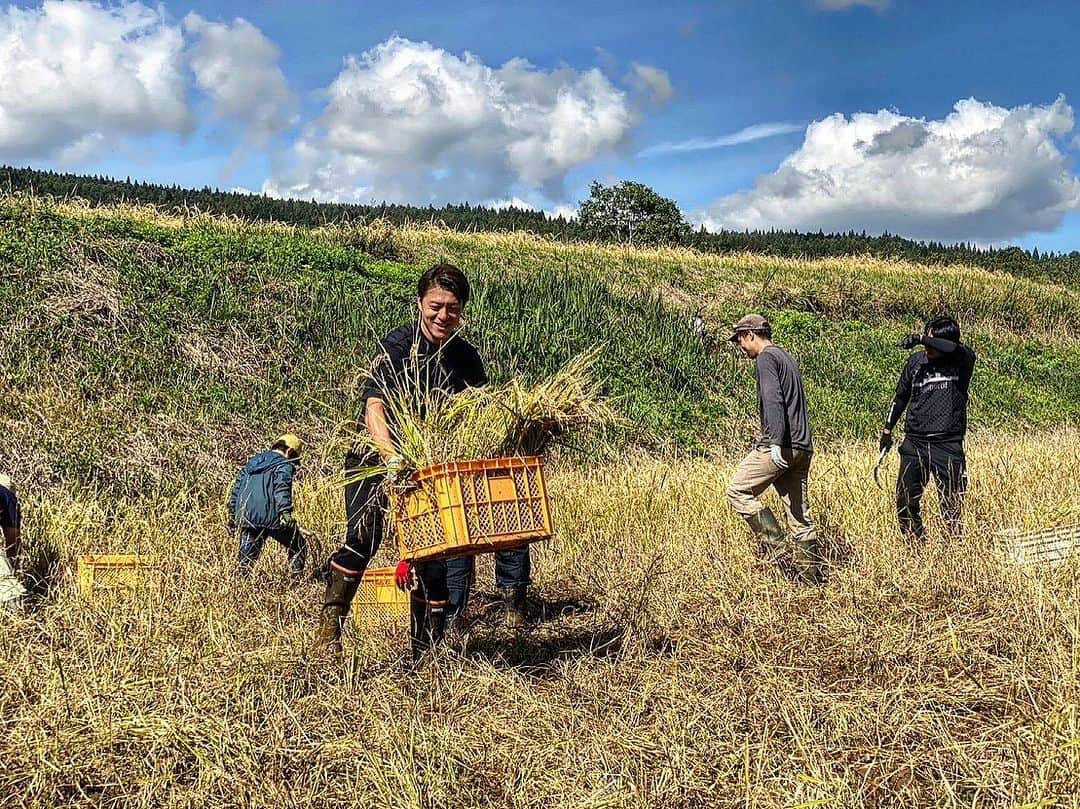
(291, 441)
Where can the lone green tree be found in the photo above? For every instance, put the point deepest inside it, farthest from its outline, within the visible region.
(631, 213)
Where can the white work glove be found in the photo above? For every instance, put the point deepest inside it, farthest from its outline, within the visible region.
(397, 474)
(777, 458)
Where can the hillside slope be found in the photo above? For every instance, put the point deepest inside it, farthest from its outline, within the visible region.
(138, 343)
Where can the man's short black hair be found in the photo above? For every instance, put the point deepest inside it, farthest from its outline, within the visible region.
(944, 327)
(445, 276)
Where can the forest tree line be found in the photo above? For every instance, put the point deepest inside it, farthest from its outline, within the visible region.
(1049, 266)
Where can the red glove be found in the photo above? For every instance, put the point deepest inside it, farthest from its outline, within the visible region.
(401, 574)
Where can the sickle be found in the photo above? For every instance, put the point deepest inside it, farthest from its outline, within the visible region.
(877, 466)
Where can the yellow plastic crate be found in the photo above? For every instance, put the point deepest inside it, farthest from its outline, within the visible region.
(1049, 546)
(379, 606)
(115, 573)
(470, 507)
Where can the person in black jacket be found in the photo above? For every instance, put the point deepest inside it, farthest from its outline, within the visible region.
(933, 388)
(261, 506)
(12, 592)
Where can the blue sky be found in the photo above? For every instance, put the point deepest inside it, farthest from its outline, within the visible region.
(494, 102)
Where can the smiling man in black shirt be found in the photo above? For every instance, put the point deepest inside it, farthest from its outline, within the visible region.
(416, 362)
(933, 388)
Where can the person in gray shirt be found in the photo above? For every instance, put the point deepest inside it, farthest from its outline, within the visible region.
(781, 458)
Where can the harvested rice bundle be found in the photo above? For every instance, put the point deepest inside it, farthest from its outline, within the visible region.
(497, 420)
(568, 400)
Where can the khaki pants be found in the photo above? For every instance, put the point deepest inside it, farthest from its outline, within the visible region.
(757, 472)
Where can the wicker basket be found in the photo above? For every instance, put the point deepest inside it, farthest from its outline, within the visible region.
(111, 574)
(470, 507)
(1050, 546)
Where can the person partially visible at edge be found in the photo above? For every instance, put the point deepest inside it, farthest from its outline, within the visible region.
(782, 456)
(416, 362)
(933, 388)
(11, 590)
(261, 506)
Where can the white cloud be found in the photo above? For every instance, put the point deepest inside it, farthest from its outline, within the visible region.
(75, 76)
(237, 66)
(652, 83)
(983, 173)
(511, 202)
(842, 5)
(745, 135)
(407, 121)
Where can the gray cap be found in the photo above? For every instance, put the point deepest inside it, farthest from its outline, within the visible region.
(749, 323)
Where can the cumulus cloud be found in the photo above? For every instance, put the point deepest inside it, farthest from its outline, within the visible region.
(747, 134)
(983, 173)
(237, 67)
(842, 5)
(407, 121)
(76, 75)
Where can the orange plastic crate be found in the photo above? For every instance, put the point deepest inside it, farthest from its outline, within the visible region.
(469, 507)
(98, 574)
(379, 605)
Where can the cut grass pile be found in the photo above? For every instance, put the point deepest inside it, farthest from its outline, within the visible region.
(511, 419)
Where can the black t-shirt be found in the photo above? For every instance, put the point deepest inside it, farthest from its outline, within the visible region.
(409, 367)
(935, 393)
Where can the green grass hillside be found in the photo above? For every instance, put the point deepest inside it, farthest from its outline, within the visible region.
(138, 344)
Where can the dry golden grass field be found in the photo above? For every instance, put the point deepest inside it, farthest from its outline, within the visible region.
(665, 668)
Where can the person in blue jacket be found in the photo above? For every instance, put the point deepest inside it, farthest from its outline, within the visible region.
(261, 506)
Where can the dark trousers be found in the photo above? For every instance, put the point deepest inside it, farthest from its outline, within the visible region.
(512, 571)
(251, 545)
(365, 522)
(366, 503)
(919, 459)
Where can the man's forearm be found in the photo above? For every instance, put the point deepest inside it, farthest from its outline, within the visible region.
(895, 411)
(378, 429)
(939, 344)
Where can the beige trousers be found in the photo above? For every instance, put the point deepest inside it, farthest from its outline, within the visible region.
(757, 472)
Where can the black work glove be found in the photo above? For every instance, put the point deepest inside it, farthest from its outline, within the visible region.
(885, 442)
(910, 342)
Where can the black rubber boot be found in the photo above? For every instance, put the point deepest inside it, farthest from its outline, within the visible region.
(515, 605)
(456, 627)
(340, 591)
(427, 625)
(808, 560)
(771, 537)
